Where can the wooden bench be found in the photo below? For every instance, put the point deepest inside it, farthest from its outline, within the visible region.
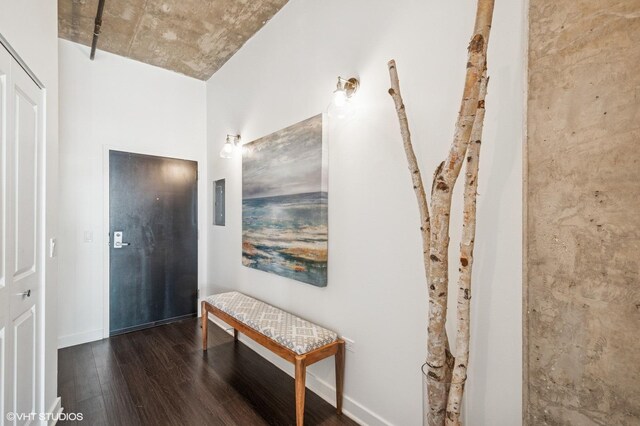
(298, 341)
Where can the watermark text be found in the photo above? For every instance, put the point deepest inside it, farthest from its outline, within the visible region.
(44, 417)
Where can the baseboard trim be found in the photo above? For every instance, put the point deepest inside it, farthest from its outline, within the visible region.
(55, 409)
(350, 407)
(79, 338)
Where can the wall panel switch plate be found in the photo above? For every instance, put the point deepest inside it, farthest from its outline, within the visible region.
(52, 247)
(88, 236)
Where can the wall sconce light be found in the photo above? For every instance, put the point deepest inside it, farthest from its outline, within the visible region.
(230, 146)
(341, 105)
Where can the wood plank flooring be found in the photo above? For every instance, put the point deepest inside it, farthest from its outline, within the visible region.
(160, 376)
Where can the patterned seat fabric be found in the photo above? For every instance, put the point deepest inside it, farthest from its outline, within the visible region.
(297, 334)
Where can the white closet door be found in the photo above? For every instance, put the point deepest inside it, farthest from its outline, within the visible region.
(22, 242)
(6, 400)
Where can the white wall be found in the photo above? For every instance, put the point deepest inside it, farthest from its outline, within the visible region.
(31, 27)
(129, 106)
(377, 293)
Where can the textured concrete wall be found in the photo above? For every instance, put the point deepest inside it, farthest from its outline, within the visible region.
(583, 213)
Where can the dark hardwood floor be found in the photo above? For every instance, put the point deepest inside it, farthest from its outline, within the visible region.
(160, 376)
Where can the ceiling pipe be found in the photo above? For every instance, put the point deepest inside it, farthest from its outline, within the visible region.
(96, 29)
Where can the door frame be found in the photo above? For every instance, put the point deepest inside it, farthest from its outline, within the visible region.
(105, 218)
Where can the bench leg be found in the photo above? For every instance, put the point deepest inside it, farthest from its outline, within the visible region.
(235, 335)
(300, 389)
(339, 376)
(205, 323)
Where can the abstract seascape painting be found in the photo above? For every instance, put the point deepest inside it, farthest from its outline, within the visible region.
(284, 203)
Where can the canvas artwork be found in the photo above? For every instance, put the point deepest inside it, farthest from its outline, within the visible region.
(284, 203)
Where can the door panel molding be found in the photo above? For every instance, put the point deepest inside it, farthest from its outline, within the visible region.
(24, 366)
(25, 185)
(3, 375)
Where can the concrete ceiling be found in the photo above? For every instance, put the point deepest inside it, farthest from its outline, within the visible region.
(192, 37)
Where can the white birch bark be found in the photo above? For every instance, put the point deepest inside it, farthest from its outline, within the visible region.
(418, 187)
(439, 361)
(459, 375)
(442, 191)
(414, 170)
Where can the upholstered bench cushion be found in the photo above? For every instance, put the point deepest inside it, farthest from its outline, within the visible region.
(297, 334)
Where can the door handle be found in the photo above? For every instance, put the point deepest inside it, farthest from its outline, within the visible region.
(25, 293)
(117, 240)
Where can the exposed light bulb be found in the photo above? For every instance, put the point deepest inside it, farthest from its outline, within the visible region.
(340, 98)
(227, 150)
(231, 147)
(341, 105)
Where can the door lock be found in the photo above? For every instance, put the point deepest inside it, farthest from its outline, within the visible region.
(25, 293)
(117, 240)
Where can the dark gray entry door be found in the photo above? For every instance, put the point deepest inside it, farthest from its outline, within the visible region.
(153, 233)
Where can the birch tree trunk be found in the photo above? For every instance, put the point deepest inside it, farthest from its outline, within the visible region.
(414, 170)
(418, 187)
(459, 375)
(434, 229)
(441, 195)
